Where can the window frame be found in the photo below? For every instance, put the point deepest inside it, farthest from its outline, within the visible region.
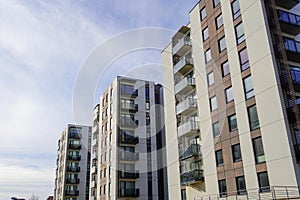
(201, 13)
(263, 188)
(205, 30)
(218, 19)
(239, 190)
(226, 94)
(222, 68)
(222, 44)
(235, 14)
(210, 77)
(211, 103)
(245, 65)
(249, 93)
(206, 57)
(234, 157)
(214, 128)
(261, 153)
(230, 124)
(221, 159)
(218, 3)
(221, 192)
(239, 38)
(252, 128)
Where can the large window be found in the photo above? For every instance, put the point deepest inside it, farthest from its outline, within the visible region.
(202, 13)
(236, 153)
(263, 182)
(207, 55)
(248, 87)
(240, 185)
(219, 158)
(183, 194)
(244, 60)
(258, 150)
(229, 94)
(213, 103)
(239, 33)
(236, 12)
(216, 129)
(222, 188)
(225, 68)
(253, 118)
(232, 123)
(219, 21)
(210, 79)
(222, 44)
(205, 34)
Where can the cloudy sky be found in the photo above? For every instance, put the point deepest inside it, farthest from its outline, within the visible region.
(43, 44)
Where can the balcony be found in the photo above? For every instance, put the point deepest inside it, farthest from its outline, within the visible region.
(129, 93)
(297, 151)
(129, 123)
(95, 129)
(292, 48)
(71, 192)
(192, 177)
(95, 142)
(188, 128)
(287, 4)
(94, 155)
(93, 184)
(75, 146)
(192, 151)
(129, 107)
(129, 175)
(74, 135)
(128, 156)
(187, 106)
(128, 139)
(182, 46)
(94, 170)
(74, 157)
(184, 65)
(129, 192)
(73, 169)
(73, 181)
(289, 22)
(184, 86)
(295, 74)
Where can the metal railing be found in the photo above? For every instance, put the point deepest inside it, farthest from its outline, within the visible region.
(265, 193)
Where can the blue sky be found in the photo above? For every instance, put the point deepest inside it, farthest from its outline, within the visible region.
(42, 46)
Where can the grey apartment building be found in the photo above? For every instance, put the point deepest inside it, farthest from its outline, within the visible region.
(232, 108)
(73, 163)
(128, 142)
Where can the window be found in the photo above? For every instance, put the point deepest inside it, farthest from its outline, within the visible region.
(100, 190)
(216, 3)
(239, 33)
(222, 188)
(216, 129)
(183, 194)
(263, 182)
(240, 185)
(222, 44)
(147, 105)
(248, 87)
(207, 55)
(258, 150)
(229, 94)
(236, 153)
(104, 189)
(236, 12)
(225, 68)
(213, 103)
(244, 60)
(232, 123)
(253, 118)
(205, 34)
(210, 79)
(219, 158)
(202, 13)
(219, 21)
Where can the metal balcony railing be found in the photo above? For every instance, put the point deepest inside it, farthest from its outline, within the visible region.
(187, 128)
(192, 176)
(130, 192)
(184, 85)
(184, 65)
(182, 45)
(191, 151)
(186, 106)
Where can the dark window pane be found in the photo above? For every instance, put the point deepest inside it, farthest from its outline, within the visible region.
(236, 153)
(258, 150)
(222, 188)
(219, 158)
(263, 182)
(241, 185)
(216, 129)
(253, 118)
(249, 91)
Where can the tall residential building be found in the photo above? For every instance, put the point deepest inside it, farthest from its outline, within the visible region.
(232, 104)
(73, 163)
(128, 153)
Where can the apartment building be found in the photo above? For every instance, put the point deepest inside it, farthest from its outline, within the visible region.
(128, 142)
(232, 104)
(73, 163)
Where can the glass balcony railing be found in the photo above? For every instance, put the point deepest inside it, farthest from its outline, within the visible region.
(186, 106)
(74, 157)
(75, 146)
(182, 46)
(292, 48)
(71, 192)
(129, 156)
(129, 93)
(193, 176)
(290, 23)
(73, 169)
(191, 151)
(184, 65)
(129, 107)
(188, 128)
(185, 85)
(72, 180)
(130, 192)
(129, 175)
(128, 139)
